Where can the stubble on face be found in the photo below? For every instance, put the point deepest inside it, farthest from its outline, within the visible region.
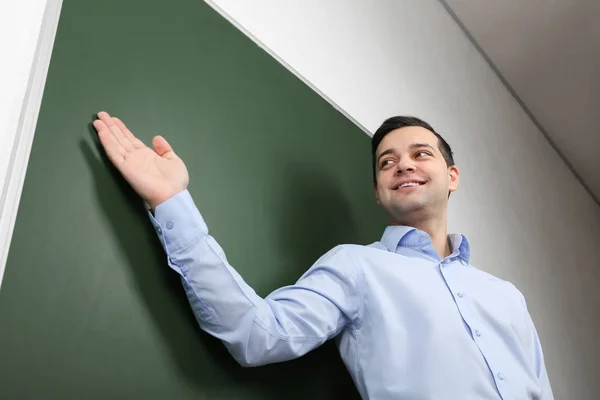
(411, 156)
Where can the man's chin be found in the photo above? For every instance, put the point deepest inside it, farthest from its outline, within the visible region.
(406, 208)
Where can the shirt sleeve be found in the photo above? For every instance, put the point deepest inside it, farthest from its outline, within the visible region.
(536, 353)
(287, 323)
(541, 366)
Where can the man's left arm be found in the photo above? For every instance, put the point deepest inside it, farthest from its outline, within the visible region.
(540, 366)
(537, 354)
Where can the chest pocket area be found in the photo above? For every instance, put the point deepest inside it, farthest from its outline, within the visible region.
(498, 308)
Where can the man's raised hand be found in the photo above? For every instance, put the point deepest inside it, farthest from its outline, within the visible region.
(156, 175)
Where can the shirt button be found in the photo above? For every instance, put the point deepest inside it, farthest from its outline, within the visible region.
(159, 231)
(459, 294)
(501, 376)
(170, 225)
(477, 333)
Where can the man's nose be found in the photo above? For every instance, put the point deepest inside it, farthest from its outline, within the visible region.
(404, 167)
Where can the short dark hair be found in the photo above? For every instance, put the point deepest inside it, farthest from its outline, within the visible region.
(398, 122)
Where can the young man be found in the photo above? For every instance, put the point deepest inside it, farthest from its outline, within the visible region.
(411, 317)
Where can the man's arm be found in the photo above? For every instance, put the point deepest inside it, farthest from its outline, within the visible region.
(286, 324)
(289, 322)
(535, 351)
(540, 365)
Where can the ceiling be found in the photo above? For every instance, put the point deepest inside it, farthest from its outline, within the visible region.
(548, 53)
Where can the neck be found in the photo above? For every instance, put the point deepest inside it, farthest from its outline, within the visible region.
(435, 226)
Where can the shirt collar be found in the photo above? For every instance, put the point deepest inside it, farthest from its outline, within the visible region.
(407, 236)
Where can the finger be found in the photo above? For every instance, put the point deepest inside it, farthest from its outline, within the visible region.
(114, 150)
(124, 129)
(116, 132)
(107, 138)
(137, 143)
(162, 147)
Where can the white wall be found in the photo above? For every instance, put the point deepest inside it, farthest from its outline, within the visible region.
(554, 68)
(528, 219)
(27, 29)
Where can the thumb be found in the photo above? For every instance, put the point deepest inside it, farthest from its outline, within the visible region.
(161, 147)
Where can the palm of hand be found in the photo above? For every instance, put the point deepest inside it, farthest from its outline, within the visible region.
(156, 175)
(161, 179)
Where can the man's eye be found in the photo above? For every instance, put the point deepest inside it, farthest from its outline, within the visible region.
(421, 152)
(385, 163)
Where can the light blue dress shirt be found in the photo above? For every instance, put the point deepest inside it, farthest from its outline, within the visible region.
(408, 325)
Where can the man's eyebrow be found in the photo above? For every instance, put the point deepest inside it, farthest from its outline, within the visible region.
(420, 145)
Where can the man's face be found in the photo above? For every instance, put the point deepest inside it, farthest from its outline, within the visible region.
(412, 175)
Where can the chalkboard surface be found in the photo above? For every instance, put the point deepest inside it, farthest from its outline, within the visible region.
(89, 308)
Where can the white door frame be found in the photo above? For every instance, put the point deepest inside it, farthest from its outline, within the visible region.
(27, 32)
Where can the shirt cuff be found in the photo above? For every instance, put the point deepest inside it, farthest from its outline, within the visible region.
(178, 222)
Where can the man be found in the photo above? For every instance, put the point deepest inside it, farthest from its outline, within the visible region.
(411, 317)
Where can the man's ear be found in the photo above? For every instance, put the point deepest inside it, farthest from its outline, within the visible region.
(376, 194)
(454, 175)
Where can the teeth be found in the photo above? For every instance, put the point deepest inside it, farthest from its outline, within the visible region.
(409, 184)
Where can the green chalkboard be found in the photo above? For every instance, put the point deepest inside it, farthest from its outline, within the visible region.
(89, 308)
